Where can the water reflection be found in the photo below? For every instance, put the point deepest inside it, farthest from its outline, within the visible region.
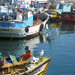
(17, 47)
(55, 30)
(62, 36)
(57, 41)
(67, 28)
(61, 28)
(11, 46)
(50, 33)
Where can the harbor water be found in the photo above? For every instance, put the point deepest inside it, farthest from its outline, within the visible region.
(57, 41)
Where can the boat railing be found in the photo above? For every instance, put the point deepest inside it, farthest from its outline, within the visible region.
(5, 24)
(8, 24)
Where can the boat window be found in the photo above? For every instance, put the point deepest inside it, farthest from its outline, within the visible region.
(2, 18)
(5, 17)
(25, 17)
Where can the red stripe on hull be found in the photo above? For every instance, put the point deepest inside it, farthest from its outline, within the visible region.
(37, 22)
(66, 17)
(40, 32)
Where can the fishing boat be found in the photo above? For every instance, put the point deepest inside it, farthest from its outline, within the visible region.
(62, 6)
(56, 10)
(36, 66)
(20, 23)
(68, 16)
(12, 61)
(54, 16)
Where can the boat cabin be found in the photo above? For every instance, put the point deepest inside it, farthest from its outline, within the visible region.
(18, 19)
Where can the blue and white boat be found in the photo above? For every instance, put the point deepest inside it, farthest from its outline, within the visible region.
(62, 7)
(20, 23)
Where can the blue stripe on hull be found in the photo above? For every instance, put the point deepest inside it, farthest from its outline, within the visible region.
(29, 22)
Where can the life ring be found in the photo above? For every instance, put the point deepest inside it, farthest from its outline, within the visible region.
(33, 3)
(27, 29)
(41, 27)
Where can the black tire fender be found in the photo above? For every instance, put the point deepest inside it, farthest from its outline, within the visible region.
(27, 29)
(41, 27)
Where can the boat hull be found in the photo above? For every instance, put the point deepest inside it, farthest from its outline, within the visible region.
(39, 69)
(18, 32)
(68, 16)
(54, 16)
(30, 31)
